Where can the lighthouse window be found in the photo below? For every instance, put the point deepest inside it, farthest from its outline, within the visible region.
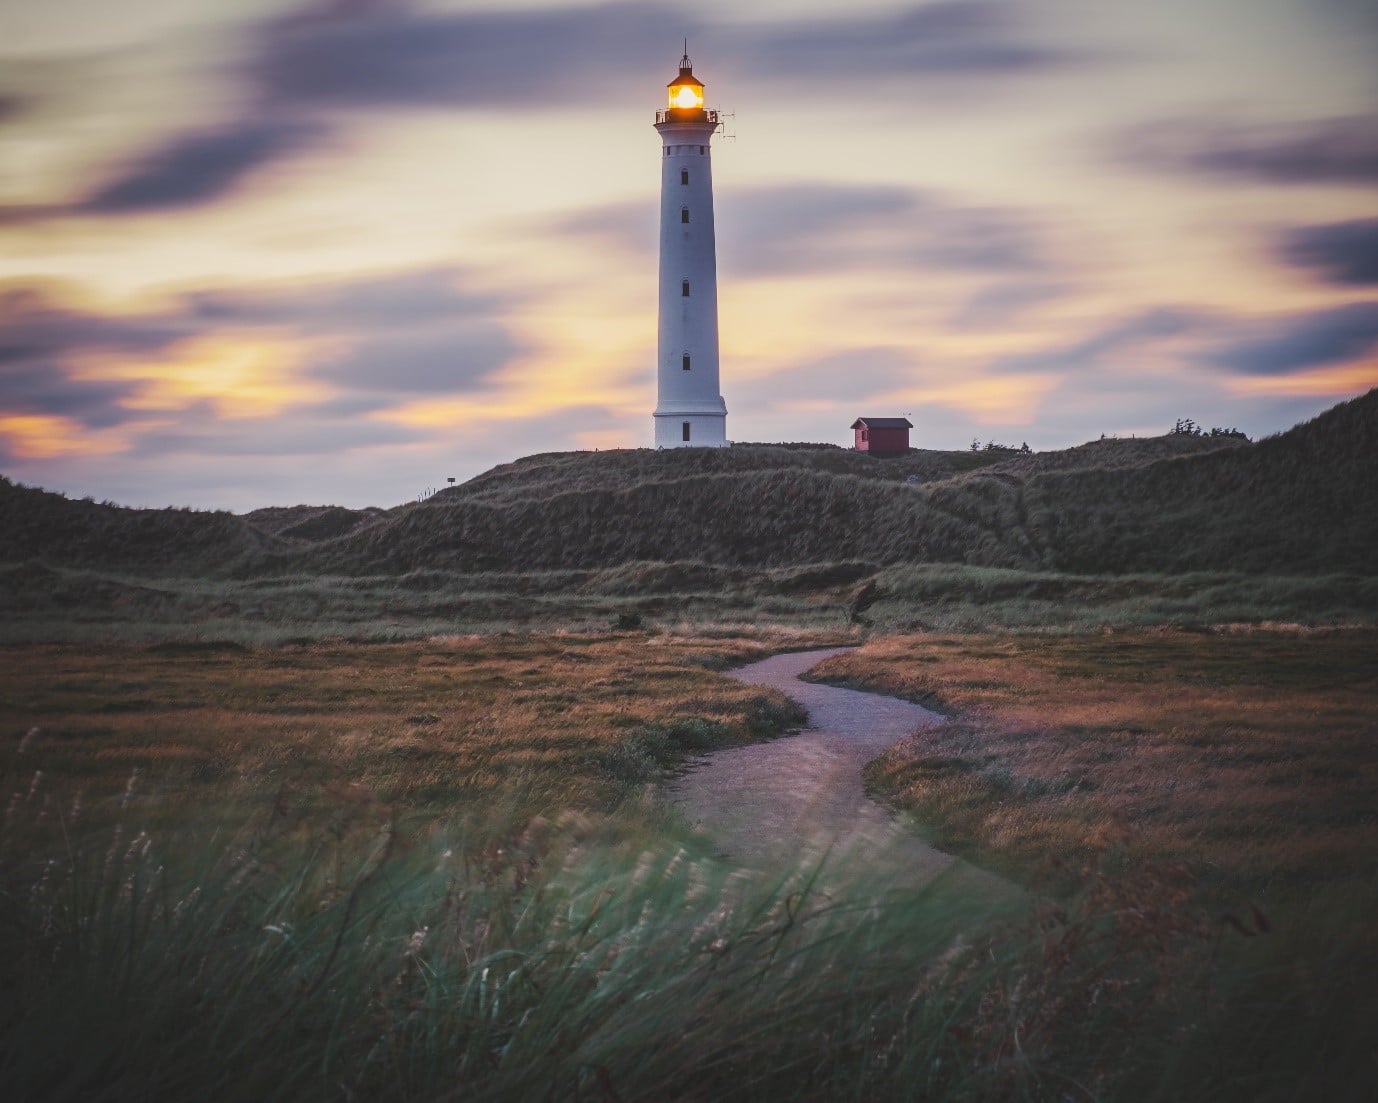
(702, 149)
(684, 362)
(684, 176)
(684, 288)
(686, 430)
(684, 214)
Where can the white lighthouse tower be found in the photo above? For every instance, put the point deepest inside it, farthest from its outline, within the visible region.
(690, 412)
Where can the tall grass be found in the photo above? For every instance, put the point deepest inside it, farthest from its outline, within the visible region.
(338, 953)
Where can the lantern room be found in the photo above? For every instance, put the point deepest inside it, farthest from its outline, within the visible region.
(686, 90)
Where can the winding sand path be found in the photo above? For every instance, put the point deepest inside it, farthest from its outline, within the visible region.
(803, 794)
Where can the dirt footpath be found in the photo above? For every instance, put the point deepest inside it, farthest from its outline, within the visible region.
(802, 794)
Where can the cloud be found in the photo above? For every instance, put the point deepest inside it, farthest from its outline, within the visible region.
(1006, 300)
(399, 299)
(851, 375)
(1353, 16)
(817, 227)
(305, 73)
(310, 432)
(1343, 252)
(451, 360)
(41, 337)
(1341, 151)
(189, 170)
(374, 341)
(377, 56)
(628, 227)
(398, 56)
(1302, 341)
(795, 228)
(12, 107)
(198, 168)
(1144, 328)
(970, 38)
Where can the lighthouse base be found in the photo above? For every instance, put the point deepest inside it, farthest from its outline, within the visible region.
(691, 430)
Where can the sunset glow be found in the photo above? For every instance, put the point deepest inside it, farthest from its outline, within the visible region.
(239, 377)
(44, 437)
(379, 244)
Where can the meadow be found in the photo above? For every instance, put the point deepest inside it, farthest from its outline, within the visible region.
(318, 803)
(441, 868)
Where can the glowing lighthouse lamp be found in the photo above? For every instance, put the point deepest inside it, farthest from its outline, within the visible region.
(690, 412)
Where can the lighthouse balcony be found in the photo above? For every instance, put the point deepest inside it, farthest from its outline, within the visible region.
(696, 116)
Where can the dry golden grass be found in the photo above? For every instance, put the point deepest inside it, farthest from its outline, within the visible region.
(421, 724)
(1251, 756)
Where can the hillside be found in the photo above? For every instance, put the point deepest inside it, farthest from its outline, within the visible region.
(1305, 501)
(311, 523)
(768, 507)
(59, 531)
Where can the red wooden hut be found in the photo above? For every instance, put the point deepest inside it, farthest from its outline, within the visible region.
(882, 436)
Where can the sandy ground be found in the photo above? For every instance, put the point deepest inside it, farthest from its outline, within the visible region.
(802, 795)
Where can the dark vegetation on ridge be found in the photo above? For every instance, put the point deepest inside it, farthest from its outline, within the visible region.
(1128, 531)
(1301, 502)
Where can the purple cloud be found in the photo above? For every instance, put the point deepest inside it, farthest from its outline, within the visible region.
(1301, 341)
(397, 299)
(1146, 327)
(448, 360)
(12, 107)
(364, 56)
(1325, 151)
(198, 168)
(1342, 252)
(1006, 300)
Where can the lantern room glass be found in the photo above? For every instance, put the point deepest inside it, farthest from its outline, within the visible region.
(686, 96)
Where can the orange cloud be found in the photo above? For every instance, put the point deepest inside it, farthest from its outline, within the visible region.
(240, 376)
(538, 386)
(1337, 382)
(1009, 400)
(46, 437)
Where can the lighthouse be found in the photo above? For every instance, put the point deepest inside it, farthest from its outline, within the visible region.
(690, 412)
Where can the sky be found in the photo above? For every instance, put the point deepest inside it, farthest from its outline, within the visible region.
(341, 251)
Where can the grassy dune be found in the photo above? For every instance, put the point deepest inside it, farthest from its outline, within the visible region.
(1170, 530)
(1304, 502)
